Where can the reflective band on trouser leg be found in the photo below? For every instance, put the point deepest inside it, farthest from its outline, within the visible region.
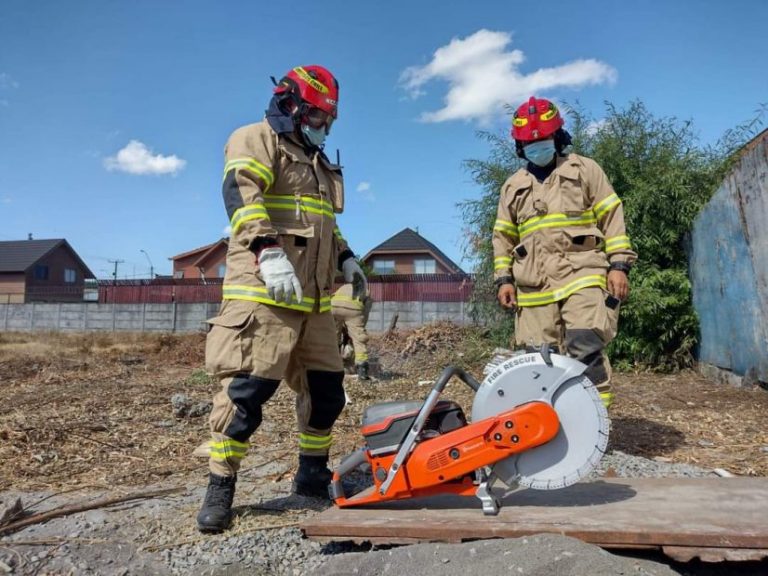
(226, 455)
(606, 393)
(314, 444)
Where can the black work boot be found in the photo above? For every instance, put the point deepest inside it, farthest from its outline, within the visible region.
(313, 477)
(362, 371)
(216, 513)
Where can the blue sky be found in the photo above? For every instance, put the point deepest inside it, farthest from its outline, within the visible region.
(113, 115)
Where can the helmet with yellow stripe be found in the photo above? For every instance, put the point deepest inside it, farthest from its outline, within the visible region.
(314, 95)
(536, 119)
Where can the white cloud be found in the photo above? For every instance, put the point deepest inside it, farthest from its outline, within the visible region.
(136, 158)
(595, 126)
(7, 82)
(364, 188)
(483, 76)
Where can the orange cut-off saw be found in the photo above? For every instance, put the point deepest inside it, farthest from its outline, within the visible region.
(537, 421)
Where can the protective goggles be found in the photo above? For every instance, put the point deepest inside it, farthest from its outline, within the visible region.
(317, 118)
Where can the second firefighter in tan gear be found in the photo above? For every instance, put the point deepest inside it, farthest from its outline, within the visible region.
(561, 250)
(282, 195)
(351, 311)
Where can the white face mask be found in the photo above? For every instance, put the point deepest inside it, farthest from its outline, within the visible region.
(540, 153)
(314, 136)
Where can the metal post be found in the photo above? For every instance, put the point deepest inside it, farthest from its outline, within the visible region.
(58, 318)
(114, 316)
(5, 322)
(143, 315)
(85, 316)
(173, 324)
(32, 318)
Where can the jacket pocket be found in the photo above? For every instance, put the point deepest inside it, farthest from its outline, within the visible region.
(229, 342)
(584, 240)
(526, 268)
(572, 195)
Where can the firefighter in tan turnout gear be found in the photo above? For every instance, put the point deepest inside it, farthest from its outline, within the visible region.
(351, 307)
(561, 251)
(281, 195)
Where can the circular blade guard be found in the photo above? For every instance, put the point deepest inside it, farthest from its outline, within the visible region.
(584, 425)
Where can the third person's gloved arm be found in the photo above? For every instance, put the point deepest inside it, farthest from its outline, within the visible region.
(279, 275)
(354, 273)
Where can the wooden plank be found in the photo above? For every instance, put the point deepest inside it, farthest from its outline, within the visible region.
(616, 512)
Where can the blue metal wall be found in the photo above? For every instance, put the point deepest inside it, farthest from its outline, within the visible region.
(729, 267)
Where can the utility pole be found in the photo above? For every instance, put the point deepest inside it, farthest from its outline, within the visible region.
(115, 262)
(151, 268)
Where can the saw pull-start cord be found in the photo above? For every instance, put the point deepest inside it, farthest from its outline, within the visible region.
(446, 462)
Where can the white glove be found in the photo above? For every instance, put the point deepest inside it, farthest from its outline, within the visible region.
(279, 276)
(354, 274)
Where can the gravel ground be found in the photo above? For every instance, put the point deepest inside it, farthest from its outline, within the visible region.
(112, 542)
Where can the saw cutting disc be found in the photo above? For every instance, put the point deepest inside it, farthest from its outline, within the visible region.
(583, 436)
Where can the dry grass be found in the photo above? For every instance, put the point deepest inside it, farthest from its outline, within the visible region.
(95, 409)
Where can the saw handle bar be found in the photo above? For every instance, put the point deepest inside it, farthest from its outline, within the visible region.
(421, 419)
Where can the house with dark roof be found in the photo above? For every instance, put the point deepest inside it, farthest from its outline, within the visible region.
(41, 271)
(407, 252)
(206, 262)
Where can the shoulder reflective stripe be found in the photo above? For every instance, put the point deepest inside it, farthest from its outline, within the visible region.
(606, 205)
(253, 166)
(311, 441)
(227, 449)
(542, 298)
(260, 294)
(246, 213)
(502, 262)
(557, 220)
(615, 243)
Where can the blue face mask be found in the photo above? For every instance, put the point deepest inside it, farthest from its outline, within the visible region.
(540, 153)
(314, 136)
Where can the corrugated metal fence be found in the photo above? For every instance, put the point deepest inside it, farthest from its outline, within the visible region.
(729, 268)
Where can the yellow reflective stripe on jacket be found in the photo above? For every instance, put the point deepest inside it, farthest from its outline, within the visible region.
(305, 203)
(337, 298)
(541, 298)
(312, 442)
(506, 227)
(337, 233)
(362, 357)
(260, 294)
(246, 213)
(254, 166)
(557, 220)
(615, 243)
(228, 448)
(606, 205)
(502, 262)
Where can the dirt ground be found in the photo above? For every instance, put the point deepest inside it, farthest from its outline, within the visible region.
(94, 413)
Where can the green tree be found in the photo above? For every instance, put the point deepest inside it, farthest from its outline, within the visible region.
(664, 176)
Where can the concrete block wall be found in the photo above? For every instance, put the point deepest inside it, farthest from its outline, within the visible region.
(91, 316)
(87, 317)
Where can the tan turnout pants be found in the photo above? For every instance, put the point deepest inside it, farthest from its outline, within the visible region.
(250, 348)
(580, 326)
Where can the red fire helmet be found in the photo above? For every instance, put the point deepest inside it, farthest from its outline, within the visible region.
(314, 85)
(535, 120)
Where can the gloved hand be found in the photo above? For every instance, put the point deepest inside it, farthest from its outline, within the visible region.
(279, 276)
(353, 273)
